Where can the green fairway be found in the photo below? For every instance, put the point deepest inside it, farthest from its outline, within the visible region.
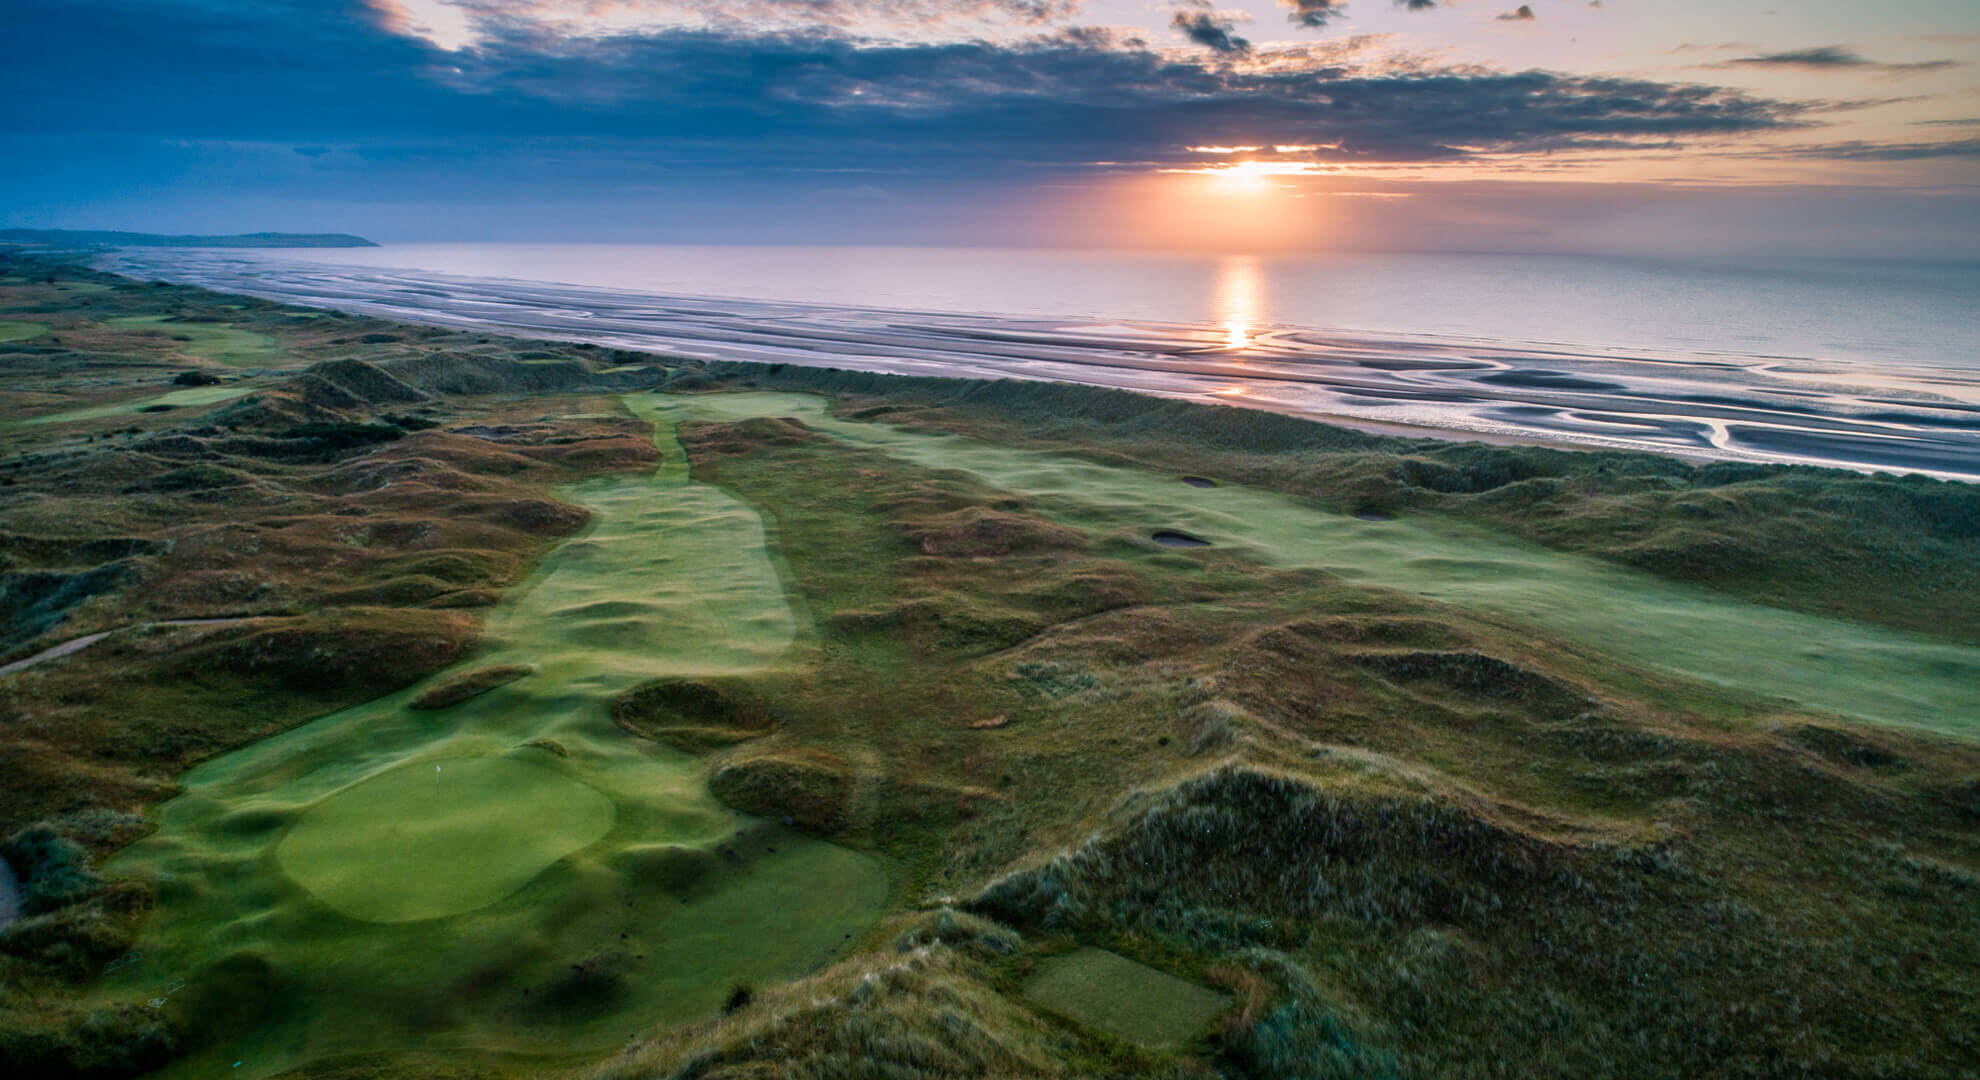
(1124, 999)
(208, 341)
(178, 399)
(17, 330)
(1853, 669)
(511, 874)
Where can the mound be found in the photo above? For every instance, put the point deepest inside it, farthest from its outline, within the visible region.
(473, 683)
(1238, 842)
(1088, 592)
(319, 655)
(742, 436)
(979, 531)
(456, 372)
(691, 715)
(1477, 674)
(364, 382)
(964, 625)
(810, 788)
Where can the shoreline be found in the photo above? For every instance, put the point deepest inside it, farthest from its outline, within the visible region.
(1764, 410)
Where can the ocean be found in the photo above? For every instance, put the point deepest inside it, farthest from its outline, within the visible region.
(1857, 363)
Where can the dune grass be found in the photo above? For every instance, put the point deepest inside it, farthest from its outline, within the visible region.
(1756, 652)
(514, 874)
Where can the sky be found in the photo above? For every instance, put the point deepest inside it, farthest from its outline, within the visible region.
(1682, 127)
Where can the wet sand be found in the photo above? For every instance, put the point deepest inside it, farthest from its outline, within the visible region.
(1708, 406)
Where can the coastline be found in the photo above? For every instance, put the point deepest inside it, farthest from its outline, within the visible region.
(1725, 407)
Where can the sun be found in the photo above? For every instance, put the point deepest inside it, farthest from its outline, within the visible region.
(1243, 177)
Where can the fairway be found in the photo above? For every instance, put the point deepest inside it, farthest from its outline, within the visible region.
(177, 399)
(512, 873)
(18, 330)
(1854, 669)
(208, 341)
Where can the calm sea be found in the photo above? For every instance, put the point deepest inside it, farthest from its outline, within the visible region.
(1908, 313)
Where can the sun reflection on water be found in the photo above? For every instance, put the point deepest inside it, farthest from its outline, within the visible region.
(1240, 298)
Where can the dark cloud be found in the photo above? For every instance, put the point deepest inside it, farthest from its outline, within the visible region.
(1215, 32)
(1314, 14)
(1830, 58)
(1889, 151)
(285, 71)
(1522, 13)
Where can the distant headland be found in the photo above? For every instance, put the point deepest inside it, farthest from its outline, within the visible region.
(105, 238)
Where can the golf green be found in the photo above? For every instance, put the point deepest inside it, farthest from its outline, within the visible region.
(419, 843)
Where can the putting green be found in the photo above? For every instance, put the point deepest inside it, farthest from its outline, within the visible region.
(1861, 671)
(556, 884)
(419, 843)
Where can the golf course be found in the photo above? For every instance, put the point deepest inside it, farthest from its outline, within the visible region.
(423, 702)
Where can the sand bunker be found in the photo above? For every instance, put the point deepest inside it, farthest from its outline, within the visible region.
(1122, 998)
(1174, 539)
(422, 841)
(1199, 481)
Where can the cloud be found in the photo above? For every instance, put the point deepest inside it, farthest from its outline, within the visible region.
(1888, 151)
(1314, 14)
(1522, 13)
(707, 102)
(1210, 30)
(1829, 58)
(457, 23)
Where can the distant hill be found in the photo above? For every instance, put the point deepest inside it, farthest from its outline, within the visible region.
(103, 238)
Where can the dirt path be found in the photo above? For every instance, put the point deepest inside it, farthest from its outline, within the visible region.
(76, 645)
